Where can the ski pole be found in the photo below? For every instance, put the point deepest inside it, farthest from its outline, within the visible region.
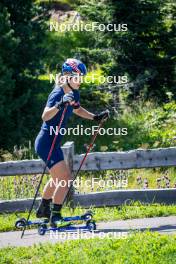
(84, 158)
(46, 164)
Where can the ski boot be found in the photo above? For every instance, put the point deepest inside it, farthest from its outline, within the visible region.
(43, 210)
(56, 219)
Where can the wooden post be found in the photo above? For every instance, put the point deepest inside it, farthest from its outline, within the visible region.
(68, 150)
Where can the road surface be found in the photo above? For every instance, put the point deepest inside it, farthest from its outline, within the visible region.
(118, 229)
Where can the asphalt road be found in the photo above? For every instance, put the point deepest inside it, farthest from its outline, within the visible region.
(118, 229)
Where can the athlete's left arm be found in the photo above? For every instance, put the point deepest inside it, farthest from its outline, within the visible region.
(82, 112)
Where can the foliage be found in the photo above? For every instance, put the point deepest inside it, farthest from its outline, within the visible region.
(29, 52)
(132, 211)
(136, 248)
(143, 51)
(24, 186)
(8, 45)
(149, 125)
(22, 31)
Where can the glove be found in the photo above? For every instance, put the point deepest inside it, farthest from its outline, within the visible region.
(76, 105)
(103, 115)
(67, 98)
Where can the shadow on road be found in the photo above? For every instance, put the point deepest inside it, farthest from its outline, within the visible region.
(159, 228)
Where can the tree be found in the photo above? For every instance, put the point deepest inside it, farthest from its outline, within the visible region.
(8, 44)
(22, 58)
(146, 51)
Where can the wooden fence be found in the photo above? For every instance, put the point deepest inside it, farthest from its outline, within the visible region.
(96, 161)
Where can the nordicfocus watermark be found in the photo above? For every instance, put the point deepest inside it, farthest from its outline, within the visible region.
(81, 234)
(90, 183)
(80, 26)
(57, 78)
(80, 130)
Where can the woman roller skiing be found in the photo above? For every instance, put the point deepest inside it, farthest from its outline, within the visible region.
(65, 93)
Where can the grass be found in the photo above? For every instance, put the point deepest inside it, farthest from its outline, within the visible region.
(143, 248)
(135, 210)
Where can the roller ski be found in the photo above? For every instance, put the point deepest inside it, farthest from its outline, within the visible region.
(60, 223)
(67, 224)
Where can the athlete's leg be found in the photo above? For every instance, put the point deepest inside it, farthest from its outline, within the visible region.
(60, 173)
(42, 147)
(53, 189)
(49, 189)
(44, 209)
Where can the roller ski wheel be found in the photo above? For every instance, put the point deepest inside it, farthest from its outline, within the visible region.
(87, 216)
(91, 225)
(20, 223)
(42, 229)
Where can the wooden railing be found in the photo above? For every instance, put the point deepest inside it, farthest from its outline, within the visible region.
(96, 161)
